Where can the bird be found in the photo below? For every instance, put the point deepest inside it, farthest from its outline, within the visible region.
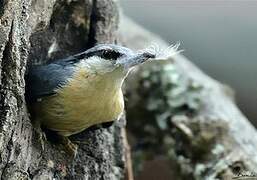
(72, 94)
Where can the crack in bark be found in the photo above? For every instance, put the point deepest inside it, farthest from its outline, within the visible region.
(93, 20)
(7, 89)
(3, 80)
(2, 7)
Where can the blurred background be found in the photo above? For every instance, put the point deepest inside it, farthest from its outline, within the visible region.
(218, 36)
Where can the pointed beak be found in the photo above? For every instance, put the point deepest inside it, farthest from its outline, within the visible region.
(136, 59)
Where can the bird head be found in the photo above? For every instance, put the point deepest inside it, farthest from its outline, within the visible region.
(110, 58)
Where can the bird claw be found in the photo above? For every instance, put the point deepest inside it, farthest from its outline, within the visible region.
(70, 147)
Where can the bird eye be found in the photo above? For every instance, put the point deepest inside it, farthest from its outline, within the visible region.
(109, 54)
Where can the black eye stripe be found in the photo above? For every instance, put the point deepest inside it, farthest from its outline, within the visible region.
(108, 54)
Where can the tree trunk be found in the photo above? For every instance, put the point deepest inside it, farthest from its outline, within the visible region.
(33, 32)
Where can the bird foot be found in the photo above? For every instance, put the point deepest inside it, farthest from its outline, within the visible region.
(69, 146)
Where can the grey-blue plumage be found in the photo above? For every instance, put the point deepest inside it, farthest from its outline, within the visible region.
(43, 80)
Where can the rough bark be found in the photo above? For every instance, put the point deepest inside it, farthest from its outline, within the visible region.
(217, 142)
(33, 32)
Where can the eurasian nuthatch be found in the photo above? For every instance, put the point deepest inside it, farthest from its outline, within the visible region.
(72, 94)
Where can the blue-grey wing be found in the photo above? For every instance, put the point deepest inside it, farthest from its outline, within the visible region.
(43, 80)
